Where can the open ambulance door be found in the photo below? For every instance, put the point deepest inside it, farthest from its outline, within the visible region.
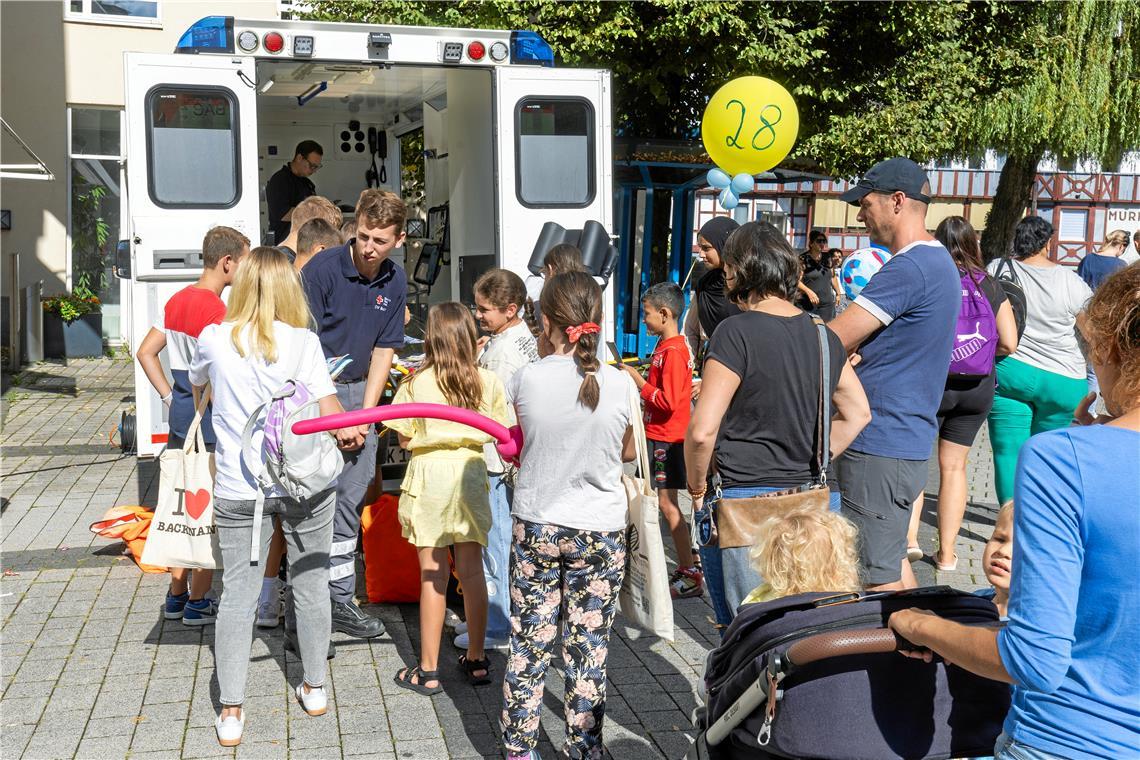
(191, 165)
(553, 138)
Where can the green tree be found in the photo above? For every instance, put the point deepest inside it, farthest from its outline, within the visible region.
(872, 80)
(1080, 100)
(667, 56)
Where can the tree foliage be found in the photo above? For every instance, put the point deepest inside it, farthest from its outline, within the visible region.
(872, 80)
(667, 56)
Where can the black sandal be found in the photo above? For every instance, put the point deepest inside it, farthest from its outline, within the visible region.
(470, 666)
(404, 680)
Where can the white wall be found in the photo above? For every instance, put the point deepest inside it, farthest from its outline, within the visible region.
(49, 63)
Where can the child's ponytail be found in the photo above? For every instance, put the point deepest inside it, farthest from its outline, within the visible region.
(572, 303)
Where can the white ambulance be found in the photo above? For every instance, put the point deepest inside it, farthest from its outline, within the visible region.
(509, 144)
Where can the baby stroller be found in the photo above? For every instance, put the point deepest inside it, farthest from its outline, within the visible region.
(817, 676)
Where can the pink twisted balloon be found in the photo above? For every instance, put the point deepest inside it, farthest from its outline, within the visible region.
(507, 440)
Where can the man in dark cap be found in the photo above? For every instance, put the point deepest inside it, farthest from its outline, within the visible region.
(902, 325)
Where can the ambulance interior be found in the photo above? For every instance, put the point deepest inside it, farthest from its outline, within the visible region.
(361, 114)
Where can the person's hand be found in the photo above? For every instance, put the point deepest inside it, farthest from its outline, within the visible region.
(813, 298)
(629, 368)
(349, 438)
(482, 342)
(909, 625)
(695, 393)
(1084, 416)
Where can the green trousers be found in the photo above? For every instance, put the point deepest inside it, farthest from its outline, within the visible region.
(1028, 401)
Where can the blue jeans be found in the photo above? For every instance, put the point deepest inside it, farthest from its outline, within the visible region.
(734, 577)
(1008, 748)
(496, 560)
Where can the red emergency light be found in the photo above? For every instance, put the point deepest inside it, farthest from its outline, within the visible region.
(476, 51)
(273, 42)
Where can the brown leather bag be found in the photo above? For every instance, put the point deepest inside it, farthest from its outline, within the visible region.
(737, 520)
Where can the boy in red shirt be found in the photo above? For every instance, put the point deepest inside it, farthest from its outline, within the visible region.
(666, 393)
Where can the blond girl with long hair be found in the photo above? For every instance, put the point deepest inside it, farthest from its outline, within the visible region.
(443, 499)
(801, 551)
(264, 341)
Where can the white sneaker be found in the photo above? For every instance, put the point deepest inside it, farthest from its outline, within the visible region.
(451, 620)
(462, 641)
(269, 613)
(230, 729)
(269, 606)
(315, 701)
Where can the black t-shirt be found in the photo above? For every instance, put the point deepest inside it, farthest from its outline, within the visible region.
(713, 306)
(283, 191)
(817, 277)
(767, 437)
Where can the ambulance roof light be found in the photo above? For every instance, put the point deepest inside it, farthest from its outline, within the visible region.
(212, 34)
(528, 47)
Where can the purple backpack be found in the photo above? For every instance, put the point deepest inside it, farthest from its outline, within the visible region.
(975, 339)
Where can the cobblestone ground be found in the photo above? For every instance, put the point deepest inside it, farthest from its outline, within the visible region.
(90, 669)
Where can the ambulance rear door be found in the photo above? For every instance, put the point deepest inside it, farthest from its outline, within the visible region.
(191, 165)
(555, 157)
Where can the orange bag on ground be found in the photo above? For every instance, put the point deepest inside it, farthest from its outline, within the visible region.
(131, 525)
(391, 566)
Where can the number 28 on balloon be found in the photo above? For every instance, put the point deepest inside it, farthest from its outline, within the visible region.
(749, 125)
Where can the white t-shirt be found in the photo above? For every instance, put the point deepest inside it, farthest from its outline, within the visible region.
(505, 354)
(571, 468)
(1054, 297)
(240, 385)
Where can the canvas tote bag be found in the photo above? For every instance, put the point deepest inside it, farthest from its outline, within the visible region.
(644, 600)
(182, 533)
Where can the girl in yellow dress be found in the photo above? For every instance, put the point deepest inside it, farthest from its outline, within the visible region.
(444, 498)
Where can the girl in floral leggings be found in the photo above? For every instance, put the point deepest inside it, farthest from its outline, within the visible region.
(569, 520)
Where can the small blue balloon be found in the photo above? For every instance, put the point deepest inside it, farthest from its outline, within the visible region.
(728, 199)
(718, 178)
(742, 183)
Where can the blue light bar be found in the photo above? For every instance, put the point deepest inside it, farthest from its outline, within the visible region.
(528, 47)
(212, 34)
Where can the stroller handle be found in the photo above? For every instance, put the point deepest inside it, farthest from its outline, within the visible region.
(843, 643)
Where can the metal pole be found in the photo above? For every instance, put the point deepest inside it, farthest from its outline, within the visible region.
(14, 308)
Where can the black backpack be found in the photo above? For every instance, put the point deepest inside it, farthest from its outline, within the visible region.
(1007, 277)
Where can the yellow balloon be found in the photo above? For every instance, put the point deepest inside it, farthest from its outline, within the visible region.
(749, 125)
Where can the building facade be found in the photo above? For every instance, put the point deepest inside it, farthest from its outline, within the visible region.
(1083, 206)
(62, 93)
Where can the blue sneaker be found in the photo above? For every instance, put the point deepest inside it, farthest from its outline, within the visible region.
(175, 605)
(200, 612)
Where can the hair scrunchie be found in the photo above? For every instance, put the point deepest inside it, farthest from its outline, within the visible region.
(574, 332)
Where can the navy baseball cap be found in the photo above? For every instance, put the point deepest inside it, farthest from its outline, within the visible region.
(894, 175)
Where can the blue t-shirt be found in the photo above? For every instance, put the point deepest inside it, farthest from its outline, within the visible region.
(1074, 608)
(355, 315)
(916, 295)
(1095, 269)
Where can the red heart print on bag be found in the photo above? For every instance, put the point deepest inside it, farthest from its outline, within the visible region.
(196, 502)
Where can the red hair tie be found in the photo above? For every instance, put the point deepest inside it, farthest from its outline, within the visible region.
(574, 332)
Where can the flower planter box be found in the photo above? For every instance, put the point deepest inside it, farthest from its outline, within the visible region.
(74, 340)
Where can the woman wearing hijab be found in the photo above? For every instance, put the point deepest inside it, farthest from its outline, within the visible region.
(709, 307)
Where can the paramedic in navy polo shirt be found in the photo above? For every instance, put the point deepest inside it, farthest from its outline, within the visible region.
(357, 297)
(290, 185)
(902, 326)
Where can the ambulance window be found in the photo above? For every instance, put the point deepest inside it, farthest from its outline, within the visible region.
(555, 152)
(192, 147)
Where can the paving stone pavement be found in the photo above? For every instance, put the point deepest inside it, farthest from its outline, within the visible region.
(90, 669)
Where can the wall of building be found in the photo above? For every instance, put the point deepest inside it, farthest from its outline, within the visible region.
(48, 64)
(1082, 207)
(32, 101)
